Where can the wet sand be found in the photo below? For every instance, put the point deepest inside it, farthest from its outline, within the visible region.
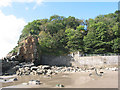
(69, 80)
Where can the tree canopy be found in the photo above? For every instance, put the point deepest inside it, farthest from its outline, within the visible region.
(60, 35)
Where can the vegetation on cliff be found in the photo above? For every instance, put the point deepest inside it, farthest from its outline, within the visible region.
(60, 35)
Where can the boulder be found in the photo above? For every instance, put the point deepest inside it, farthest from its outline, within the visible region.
(33, 72)
(40, 67)
(34, 68)
(46, 67)
(49, 72)
(27, 72)
(39, 72)
(27, 68)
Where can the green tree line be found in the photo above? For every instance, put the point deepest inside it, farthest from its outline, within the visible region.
(60, 35)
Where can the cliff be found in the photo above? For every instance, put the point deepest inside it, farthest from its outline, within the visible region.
(27, 51)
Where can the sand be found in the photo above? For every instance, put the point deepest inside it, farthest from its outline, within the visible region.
(69, 80)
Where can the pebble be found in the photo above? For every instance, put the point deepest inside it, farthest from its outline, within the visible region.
(15, 79)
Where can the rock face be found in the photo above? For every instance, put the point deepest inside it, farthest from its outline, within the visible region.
(28, 50)
(8, 66)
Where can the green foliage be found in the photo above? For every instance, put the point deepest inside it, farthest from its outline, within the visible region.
(74, 40)
(52, 44)
(59, 35)
(103, 34)
(80, 27)
(116, 45)
(31, 29)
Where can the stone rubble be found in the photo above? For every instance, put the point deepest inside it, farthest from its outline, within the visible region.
(53, 70)
(46, 70)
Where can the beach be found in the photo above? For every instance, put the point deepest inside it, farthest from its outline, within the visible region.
(69, 80)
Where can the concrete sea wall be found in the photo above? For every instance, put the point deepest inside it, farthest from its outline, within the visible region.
(96, 60)
(56, 60)
(77, 60)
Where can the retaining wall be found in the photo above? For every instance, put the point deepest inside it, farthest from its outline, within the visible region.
(76, 60)
(96, 60)
(56, 60)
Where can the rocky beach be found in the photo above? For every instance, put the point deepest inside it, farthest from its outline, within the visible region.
(45, 76)
(62, 52)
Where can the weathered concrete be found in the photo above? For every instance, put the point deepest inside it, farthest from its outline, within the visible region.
(76, 60)
(96, 60)
(56, 60)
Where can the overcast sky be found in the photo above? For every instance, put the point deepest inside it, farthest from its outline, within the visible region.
(15, 14)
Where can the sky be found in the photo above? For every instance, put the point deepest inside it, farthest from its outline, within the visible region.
(15, 14)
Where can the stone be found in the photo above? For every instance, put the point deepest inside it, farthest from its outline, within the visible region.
(21, 69)
(90, 74)
(27, 73)
(46, 67)
(116, 69)
(31, 73)
(5, 80)
(17, 73)
(35, 73)
(49, 72)
(59, 85)
(15, 79)
(27, 68)
(63, 70)
(13, 57)
(68, 69)
(106, 68)
(40, 67)
(101, 73)
(34, 82)
(34, 68)
(79, 70)
(39, 72)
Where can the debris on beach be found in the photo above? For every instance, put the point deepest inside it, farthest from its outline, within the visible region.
(59, 85)
(96, 73)
(34, 82)
(15, 79)
(6, 79)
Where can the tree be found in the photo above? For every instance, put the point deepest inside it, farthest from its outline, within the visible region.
(59, 35)
(97, 39)
(106, 34)
(74, 40)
